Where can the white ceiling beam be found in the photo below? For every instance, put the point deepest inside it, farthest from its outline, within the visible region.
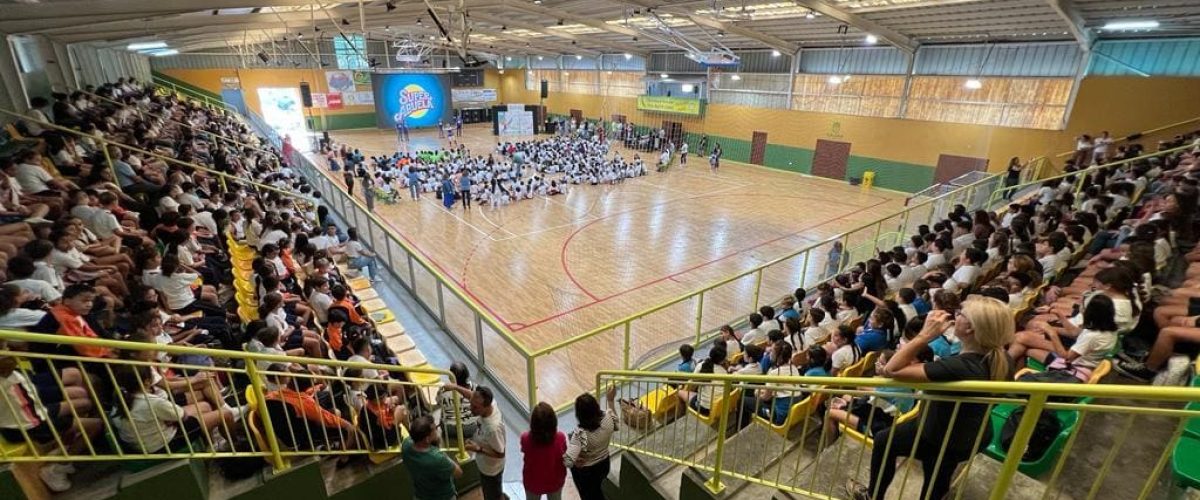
(771, 41)
(1070, 15)
(50, 10)
(68, 22)
(488, 18)
(888, 35)
(590, 22)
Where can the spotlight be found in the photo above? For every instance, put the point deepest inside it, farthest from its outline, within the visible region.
(810, 15)
(299, 35)
(560, 22)
(316, 29)
(418, 20)
(537, 2)
(539, 58)
(872, 39)
(502, 28)
(664, 75)
(835, 80)
(635, 39)
(775, 53)
(387, 28)
(735, 77)
(973, 84)
(345, 22)
(720, 34)
(509, 58)
(390, 6)
(628, 56)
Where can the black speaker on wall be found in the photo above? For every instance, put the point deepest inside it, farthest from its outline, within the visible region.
(545, 89)
(306, 94)
(264, 57)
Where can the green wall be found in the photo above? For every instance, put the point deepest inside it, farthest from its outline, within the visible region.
(343, 121)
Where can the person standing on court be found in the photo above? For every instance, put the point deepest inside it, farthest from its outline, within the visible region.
(704, 144)
(348, 176)
(683, 150)
(458, 123)
(587, 447)
(447, 193)
(464, 189)
(414, 183)
(441, 129)
(432, 472)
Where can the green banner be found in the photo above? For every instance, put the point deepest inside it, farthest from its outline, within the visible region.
(677, 105)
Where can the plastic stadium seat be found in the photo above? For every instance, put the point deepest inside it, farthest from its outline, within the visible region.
(393, 329)
(366, 294)
(382, 317)
(412, 357)
(660, 402)
(359, 283)
(400, 343)
(719, 405)
(1185, 462)
(373, 305)
(1066, 418)
(796, 414)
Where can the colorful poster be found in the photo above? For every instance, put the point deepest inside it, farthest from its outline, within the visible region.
(319, 100)
(421, 100)
(360, 98)
(514, 122)
(474, 95)
(282, 110)
(362, 79)
(340, 81)
(333, 100)
(678, 105)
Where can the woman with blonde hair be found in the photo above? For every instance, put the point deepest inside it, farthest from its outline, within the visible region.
(984, 326)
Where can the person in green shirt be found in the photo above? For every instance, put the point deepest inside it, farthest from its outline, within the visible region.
(432, 472)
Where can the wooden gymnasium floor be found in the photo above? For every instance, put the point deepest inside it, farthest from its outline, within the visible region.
(554, 268)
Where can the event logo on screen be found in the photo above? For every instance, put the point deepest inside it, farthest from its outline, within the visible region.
(415, 101)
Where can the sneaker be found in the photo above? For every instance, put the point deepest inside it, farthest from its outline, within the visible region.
(55, 478)
(1135, 370)
(239, 411)
(856, 490)
(67, 467)
(219, 443)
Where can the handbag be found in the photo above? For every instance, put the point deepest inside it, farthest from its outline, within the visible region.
(635, 415)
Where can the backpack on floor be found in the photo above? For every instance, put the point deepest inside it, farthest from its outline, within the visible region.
(1045, 432)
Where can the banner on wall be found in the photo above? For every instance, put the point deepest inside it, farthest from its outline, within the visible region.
(333, 100)
(421, 100)
(474, 95)
(231, 83)
(360, 98)
(341, 82)
(515, 122)
(320, 100)
(676, 105)
(362, 79)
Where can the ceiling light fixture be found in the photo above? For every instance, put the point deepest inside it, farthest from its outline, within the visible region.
(1137, 24)
(578, 57)
(390, 6)
(664, 75)
(775, 53)
(835, 80)
(687, 88)
(973, 84)
(146, 46)
(735, 77)
(872, 40)
(345, 22)
(810, 15)
(167, 52)
(628, 56)
(539, 58)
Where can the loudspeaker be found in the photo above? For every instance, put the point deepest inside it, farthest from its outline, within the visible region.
(265, 58)
(545, 89)
(306, 94)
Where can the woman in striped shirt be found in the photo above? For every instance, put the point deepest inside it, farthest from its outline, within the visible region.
(587, 447)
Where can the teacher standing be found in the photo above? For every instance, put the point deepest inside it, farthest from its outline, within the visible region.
(985, 326)
(587, 447)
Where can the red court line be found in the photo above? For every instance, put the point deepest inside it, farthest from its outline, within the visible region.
(684, 271)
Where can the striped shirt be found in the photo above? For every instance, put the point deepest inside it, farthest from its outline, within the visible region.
(586, 448)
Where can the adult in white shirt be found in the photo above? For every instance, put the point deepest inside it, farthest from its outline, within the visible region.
(36, 115)
(30, 174)
(488, 443)
(360, 257)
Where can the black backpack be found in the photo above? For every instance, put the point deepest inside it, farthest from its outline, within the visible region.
(1045, 432)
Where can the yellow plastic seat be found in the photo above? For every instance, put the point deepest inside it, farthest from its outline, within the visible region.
(243, 287)
(400, 343)
(366, 294)
(412, 357)
(660, 402)
(373, 305)
(393, 329)
(382, 317)
(796, 414)
(359, 283)
(11, 449)
(864, 439)
(247, 314)
(424, 378)
(719, 405)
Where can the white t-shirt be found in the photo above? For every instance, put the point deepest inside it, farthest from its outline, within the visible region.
(64, 261)
(104, 224)
(176, 288)
(324, 242)
(1093, 347)
(811, 335)
(152, 421)
(844, 356)
(707, 392)
(755, 335)
(490, 435)
(354, 248)
(44, 272)
(963, 277)
(42, 289)
(33, 178)
(320, 303)
(21, 318)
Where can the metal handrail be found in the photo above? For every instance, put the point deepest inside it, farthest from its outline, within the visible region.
(249, 362)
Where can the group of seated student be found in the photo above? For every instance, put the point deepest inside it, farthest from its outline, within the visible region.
(980, 295)
(144, 257)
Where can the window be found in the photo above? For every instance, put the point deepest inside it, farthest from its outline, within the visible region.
(1007, 102)
(351, 51)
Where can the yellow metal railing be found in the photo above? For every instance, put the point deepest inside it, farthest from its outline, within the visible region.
(109, 408)
(164, 84)
(479, 333)
(816, 452)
